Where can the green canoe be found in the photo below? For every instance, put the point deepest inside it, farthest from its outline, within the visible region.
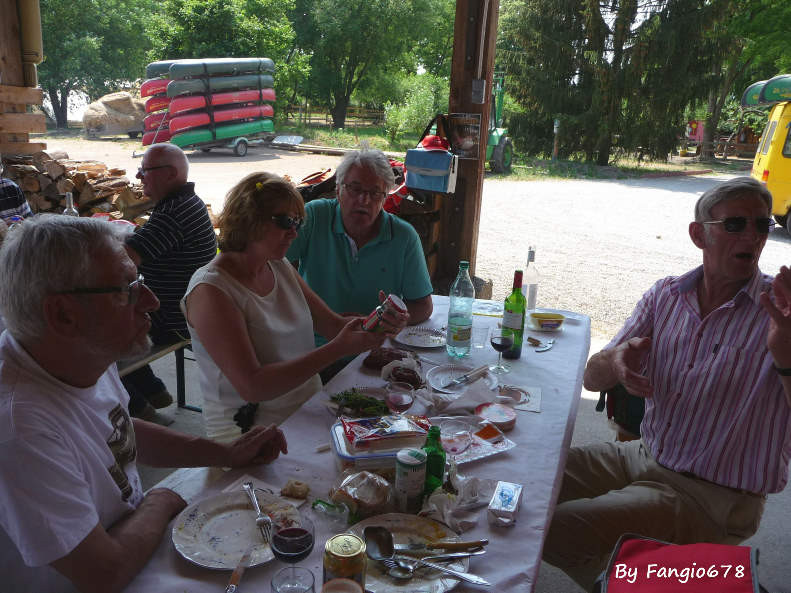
(750, 96)
(219, 83)
(776, 89)
(223, 132)
(208, 66)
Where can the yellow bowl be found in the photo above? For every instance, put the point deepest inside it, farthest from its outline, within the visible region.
(547, 321)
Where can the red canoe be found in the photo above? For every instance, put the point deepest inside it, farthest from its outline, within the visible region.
(156, 103)
(190, 102)
(162, 135)
(195, 120)
(154, 86)
(151, 122)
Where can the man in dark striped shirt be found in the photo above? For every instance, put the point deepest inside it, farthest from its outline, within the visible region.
(177, 240)
(12, 200)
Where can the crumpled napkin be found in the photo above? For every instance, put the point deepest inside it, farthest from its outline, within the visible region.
(459, 511)
(465, 401)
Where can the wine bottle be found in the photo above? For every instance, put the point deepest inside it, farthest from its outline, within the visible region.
(514, 317)
(530, 284)
(70, 210)
(435, 460)
(462, 295)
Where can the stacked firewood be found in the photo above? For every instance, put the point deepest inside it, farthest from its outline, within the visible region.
(45, 177)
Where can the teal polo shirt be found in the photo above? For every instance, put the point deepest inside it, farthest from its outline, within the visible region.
(348, 282)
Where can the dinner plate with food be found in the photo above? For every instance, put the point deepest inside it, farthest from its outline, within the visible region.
(216, 531)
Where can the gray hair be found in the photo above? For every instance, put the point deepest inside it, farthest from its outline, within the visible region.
(45, 254)
(738, 187)
(367, 158)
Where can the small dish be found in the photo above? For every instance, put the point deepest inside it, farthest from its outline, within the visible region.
(421, 337)
(545, 322)
(442, 375)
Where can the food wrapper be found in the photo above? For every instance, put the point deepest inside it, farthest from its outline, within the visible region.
(364, 493)
(504, 504)
(364, 431)
(459, 509)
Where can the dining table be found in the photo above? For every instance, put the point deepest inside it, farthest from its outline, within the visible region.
(542, 438)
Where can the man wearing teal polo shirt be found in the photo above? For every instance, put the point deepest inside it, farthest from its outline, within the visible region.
(349, 248)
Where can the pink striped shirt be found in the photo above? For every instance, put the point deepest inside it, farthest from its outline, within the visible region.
(719, 409)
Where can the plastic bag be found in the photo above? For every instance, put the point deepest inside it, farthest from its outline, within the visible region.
(363, 492)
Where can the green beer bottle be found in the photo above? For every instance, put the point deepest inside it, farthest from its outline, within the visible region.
(435, 461)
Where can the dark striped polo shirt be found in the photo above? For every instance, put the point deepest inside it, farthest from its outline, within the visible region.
(177, 240)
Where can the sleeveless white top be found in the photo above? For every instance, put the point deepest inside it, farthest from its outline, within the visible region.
(280, 327)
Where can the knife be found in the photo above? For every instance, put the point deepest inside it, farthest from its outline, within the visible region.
(469, 376)
(237, 573)
(464, 576)
(441, 546)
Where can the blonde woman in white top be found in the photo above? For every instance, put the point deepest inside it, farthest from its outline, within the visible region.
(252, 318)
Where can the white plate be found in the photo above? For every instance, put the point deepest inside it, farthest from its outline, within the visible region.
(410, 529)
(442, 375)
(216, 531)
(421, 337)
(533, 326)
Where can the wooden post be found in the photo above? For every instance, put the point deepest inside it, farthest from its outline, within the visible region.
(475, 31)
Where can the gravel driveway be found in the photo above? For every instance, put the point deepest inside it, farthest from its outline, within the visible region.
(600, 243)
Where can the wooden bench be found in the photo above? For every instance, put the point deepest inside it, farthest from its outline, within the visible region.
(132, 364)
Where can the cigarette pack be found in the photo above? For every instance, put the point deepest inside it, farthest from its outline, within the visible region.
(505, 504)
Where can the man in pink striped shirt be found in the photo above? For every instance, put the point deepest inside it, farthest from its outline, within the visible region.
(711, 353)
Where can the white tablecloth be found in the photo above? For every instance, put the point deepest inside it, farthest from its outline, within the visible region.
(514, 554)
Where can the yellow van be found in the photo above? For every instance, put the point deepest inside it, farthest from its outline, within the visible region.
(772, 163)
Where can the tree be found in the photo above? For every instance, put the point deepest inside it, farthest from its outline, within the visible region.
(350, 40)
(622, 70)
(90, 46)
(230, 28)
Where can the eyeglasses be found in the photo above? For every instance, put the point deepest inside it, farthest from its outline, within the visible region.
(141, 171)
(287, 223)
(737, 224)
(357, 190)
(132, 290)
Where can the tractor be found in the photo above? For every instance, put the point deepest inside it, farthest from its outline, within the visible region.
(499, 149)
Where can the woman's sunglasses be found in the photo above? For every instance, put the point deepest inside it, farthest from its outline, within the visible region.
(737, 224)
(286, 222)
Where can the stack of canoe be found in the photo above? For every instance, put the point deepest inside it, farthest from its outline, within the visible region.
(766, 92)
(194, 102)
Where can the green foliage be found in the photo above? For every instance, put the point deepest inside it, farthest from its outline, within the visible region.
(91, 46)
(231, 28)
(424, 96)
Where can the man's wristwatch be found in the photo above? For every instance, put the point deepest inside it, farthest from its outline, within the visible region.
(782, 372)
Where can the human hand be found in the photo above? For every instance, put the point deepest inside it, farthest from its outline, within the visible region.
(353, 339)
(626, 361)
(258, 445)
(166, 499)
(778, 336)
(392, 322)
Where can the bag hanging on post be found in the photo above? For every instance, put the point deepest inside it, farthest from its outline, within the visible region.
(644, 565)
(432, 167)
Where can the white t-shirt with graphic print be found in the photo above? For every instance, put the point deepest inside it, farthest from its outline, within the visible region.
(66, 463)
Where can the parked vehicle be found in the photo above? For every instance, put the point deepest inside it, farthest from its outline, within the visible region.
(772, 164)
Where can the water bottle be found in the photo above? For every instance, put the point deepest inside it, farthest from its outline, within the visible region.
(70, 210)
(530, 282)
(462, 295)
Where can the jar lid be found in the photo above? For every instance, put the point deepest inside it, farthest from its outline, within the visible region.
(345, 545)
(397, 303)
(411, 456)
(503, 417)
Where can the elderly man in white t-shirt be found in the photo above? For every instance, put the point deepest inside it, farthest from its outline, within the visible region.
(72, 510)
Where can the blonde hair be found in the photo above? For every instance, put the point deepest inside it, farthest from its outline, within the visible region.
(250, 204)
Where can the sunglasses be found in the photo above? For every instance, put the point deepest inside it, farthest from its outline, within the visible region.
(737, 224)
(132, 290)
(287, 223)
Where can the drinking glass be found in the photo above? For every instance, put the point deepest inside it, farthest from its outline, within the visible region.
(291, 544)
(501, 340)
(293, 580)
(399, 397)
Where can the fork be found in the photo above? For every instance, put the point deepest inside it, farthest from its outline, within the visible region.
(262, 520)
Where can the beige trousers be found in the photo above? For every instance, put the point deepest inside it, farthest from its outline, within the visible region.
(614, 488)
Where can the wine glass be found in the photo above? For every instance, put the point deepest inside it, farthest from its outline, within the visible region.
(293, 580)
(399, 396)
(501, 340)
(292, 543)
(456, 438)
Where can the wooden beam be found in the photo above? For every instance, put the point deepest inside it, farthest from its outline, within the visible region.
(21, 94)
(22, 147)
(22, 123)
(475, 33)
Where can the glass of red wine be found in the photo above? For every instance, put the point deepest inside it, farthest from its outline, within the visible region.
(292, 544)
(501, 340)
(399, 396)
